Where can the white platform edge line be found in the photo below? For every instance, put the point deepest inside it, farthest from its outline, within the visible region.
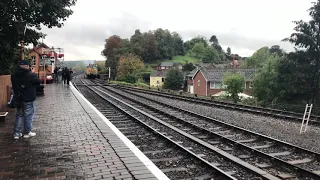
(144, 159)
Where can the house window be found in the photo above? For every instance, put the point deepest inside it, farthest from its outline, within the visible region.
(162, 67)
(41, 61)
(198, 82)
(162, 79)
(215, 85)
(33, 60)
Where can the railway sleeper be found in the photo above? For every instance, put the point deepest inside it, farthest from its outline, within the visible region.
(283, 153)
(158, 151)
(246, 140)
(168, 159)
(262, 146)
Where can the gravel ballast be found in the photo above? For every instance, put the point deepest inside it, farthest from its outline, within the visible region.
(281, 129)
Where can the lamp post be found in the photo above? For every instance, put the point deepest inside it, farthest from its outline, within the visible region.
(21, 27)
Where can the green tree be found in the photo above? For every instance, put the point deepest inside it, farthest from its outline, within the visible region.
(35, 13)
(266, 83)
(136, 42)
(188, 45)
(110, 52)
(188, 67)
(198, 50)
(215, 44)
(306, 38)
(149, 47)
(234, 84)
(210, 55)
(129, 67)
(177, 44)
(174, 79)
(258, 59)
(164, 44)
(275, 49)
(228, 51)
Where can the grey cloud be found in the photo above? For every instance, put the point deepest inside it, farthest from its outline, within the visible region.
(73, 35)
(95, 34)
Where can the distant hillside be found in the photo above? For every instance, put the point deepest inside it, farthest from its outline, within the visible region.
(71, 64)
(78, 65)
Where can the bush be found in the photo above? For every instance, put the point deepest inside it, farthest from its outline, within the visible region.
(129, 78)
(174, 79)
(234, 84)
(249, 101)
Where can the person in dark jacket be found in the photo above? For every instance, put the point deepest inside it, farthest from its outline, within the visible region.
(68, 75)
(56, 76)
(24, 85)
(64, 77)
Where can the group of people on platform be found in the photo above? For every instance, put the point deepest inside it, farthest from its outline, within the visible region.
(65, 74)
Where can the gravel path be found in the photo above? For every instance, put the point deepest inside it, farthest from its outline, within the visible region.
(277, 128)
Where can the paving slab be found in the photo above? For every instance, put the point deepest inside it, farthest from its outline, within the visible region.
(73, 141)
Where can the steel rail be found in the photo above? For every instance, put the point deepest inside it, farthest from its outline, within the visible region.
(300, 171)
(227, 105)
(222, 153)
(216, 169)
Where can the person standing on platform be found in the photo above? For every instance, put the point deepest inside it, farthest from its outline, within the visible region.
(64, 75)
(24, 85)
(56, 77)
(68, 75)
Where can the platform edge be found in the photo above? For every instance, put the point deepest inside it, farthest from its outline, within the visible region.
(143, 158)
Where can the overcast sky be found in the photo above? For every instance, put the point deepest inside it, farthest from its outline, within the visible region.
(243, 25)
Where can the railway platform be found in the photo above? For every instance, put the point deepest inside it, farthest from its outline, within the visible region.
(74, 141)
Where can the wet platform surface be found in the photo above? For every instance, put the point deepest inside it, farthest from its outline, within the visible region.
(72, 142)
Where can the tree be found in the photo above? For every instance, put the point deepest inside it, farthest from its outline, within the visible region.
(210, 55)
(129, 67)
(101, 66)
(275, 49)
(149, 47)
(177, 44)
(111, 51)
(137, 41)
(164, 44)
(234, 84)
(265, 85)
(188, 67)
(258, 59)
(306, 38)
(174, 79)
(228, 51)
(188, 45)
(41, 12)
(198, 50)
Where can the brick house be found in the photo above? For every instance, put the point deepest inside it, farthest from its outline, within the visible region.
(36, 56)
(207, 82)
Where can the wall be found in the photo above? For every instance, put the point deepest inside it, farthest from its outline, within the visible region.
(35, 68)
(200, 90)
(5, 81)
(156, 81)
(213, 91)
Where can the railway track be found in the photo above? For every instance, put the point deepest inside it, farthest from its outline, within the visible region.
(251, 109)
(179, 154)
(276, 157)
